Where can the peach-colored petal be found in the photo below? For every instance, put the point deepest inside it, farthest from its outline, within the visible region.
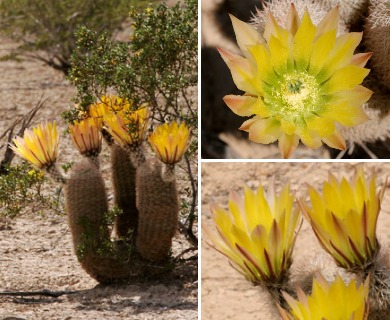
(271, 27)
(287, 144)
(246, 35)
(264, 130)
(335, 140)
(356, 97)
(309, 138)
(293, 21)
(361, 59)
(246, 106)
(241, 70)
(329, 22)
(247, 124)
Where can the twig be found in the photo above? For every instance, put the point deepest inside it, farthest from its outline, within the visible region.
(191, 216)
(25, 122)
(187, 250)
(45, 292)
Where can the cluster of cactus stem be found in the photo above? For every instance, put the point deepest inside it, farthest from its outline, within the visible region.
(145, 216)
(144, 227)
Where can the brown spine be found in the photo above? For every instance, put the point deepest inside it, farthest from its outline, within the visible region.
(158, 207)
(123, 179)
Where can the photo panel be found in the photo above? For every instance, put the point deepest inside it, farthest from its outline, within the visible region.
(270, 228)
(295, 79)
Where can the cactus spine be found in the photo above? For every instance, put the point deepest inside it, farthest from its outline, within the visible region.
(157, 202)
(123, 179)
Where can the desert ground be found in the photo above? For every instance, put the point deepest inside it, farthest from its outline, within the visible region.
(225, 293)
(36, 251)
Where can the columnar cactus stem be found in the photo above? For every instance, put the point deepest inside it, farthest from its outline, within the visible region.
(168, 172)
(123, 179)
(55, 174)
(87, 205)
(136, 154)
(157, 202)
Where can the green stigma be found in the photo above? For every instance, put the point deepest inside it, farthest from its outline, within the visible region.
(294, 86)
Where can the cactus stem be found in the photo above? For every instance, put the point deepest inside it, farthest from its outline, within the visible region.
(136, 154)
(94, 158)
(55, 175)
(168, 172)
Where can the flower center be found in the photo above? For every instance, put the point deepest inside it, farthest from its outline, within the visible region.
(296, 95)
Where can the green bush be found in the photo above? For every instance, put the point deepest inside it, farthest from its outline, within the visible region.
(50, 25)
(23, 187)
(158, 65)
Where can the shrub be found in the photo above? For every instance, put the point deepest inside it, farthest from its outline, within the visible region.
(158, 65)
(51, 25)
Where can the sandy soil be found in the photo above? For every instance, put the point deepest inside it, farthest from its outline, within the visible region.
(225, 293)
(36, 251)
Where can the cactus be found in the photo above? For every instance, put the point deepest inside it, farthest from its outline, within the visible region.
(144, 190)
(158, 206)
(352, 12)
(280, 9)
(377, 32)
(105, 260)
(123, 179)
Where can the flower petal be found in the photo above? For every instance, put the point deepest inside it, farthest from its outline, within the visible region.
(246, 35)
(303, 42)
(345, 79)
(246, 106)
(287, 144)
(262, 57)
(345, 114)
(241, 70)
(341, 54)
(335, 140)
(263, 130)
(322, 126)
(360, 59)
(293, 21)
(329, 22)
(279, 55)
(321, 50)
(309, 138)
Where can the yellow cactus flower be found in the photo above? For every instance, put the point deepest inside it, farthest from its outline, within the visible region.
(116, 103)
(110, 104)
(170, 141)
(38, 146)
(129, 129)
(300, 82)
(344, 219)
(335, 300)
(258, 234)
(86, 136)
(98, 110)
